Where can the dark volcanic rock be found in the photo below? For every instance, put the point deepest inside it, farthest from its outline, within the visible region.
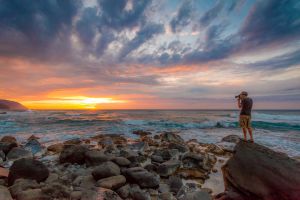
(29, 169)
(73, 154)
(106, 169)
(256, 172)
(142, 177)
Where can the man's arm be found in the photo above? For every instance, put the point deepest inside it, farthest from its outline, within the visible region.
(239, 103)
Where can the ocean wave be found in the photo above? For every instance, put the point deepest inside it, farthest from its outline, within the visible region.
(179, 125)
(264, 116)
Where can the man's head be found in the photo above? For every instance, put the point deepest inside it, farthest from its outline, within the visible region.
(243, 94)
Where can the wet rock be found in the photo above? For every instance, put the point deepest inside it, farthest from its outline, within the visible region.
(21, 185)
(248, 173)
(73, 154)
(28, 168)
(196, 195)
(34, 146)
(215, 149)
(105, 142)
(8, 139)
(156, 158)
(141, 133)
(95, 157)
(56, 191)
(52, 177)
(75, 141)
(17, 153)
(123, 191)
(112, 182)
(142, 177)
(139, 146)
(106, 194)
(86, 182)
(171, 137)
(192, 173)
(7, 146)
(137, 194)
(106, 169)
(2, 155)
(175, 183)
(33, 194)
(56, 148)
(76, 195)
(180, 147)
(121, 161)
(168, 168)
(231, 138)
(166, 196)
(227, 146)
(4, 193)
(166, 154)
(192, 160)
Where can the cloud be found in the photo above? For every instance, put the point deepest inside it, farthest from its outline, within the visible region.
(283, 61)
(35, 25)
(182, 17)
(271, 21)
(146, 33)
(211, 14)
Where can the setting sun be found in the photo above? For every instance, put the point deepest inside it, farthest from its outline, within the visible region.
(74, 102)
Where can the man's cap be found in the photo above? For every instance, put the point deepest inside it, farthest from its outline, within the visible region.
(244, 93)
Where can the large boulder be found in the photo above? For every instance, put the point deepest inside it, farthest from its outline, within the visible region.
(257, 172)
(28, 168)
(73, 154)
(105, 170)
(142, 177)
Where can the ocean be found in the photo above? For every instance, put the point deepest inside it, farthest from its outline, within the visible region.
(277, 129)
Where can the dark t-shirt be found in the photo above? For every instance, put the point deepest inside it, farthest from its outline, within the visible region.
(246, 106)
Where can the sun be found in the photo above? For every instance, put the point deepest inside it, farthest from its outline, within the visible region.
(72, 102)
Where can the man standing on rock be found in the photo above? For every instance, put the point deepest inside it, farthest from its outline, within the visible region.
(245, 104)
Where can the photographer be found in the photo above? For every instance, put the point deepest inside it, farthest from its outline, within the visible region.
(245, 104)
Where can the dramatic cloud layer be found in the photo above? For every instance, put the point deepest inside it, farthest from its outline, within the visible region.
(151, 54)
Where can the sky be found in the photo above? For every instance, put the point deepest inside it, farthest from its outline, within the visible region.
(150, 54)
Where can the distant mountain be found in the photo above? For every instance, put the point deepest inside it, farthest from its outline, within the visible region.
(11, 105)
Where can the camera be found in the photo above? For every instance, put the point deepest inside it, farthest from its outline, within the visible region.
(237, 97)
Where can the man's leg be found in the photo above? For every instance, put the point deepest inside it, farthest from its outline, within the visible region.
(250, 133)
(245, 134)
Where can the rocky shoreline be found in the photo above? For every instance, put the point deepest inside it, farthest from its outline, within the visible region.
(113, 167)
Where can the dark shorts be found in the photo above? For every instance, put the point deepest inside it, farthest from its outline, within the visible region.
(245, 121)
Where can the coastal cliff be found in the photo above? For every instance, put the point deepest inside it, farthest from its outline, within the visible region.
(11, 105)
